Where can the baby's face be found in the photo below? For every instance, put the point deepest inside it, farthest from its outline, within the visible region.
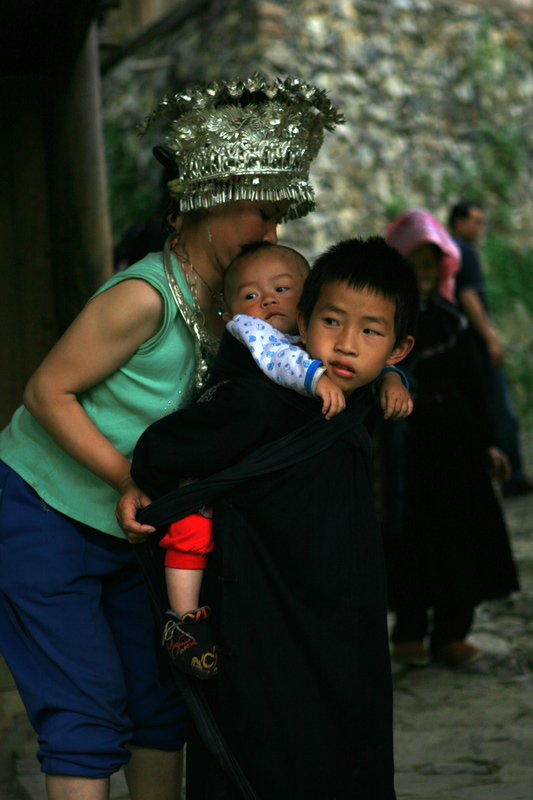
(269, 287)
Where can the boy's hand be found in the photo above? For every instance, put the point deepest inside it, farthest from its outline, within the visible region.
(394, 398)
(333, 400)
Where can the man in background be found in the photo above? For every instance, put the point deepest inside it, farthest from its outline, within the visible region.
(467, 221)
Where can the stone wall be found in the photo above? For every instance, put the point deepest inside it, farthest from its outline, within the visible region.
(438, 100)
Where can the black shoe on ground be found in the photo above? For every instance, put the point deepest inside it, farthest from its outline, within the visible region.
(189, 642)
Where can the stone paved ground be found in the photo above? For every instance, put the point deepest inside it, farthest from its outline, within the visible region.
(459, 734)
(468, 734)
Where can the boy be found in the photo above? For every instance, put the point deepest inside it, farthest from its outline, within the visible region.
(264, 283)
(296, 581)
(261, 291)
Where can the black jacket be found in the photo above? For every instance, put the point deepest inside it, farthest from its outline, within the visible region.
(297, 588)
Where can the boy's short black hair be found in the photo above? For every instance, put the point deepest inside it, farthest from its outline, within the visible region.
(373, 265)
(257, 247)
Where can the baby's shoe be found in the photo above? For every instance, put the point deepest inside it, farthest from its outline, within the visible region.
(189, 642)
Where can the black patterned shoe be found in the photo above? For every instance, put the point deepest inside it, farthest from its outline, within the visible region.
(189, 642)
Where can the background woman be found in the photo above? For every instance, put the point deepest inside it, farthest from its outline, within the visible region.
(451, 549)
(75, 624)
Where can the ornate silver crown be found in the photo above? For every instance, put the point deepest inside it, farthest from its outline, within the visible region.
(229, 146)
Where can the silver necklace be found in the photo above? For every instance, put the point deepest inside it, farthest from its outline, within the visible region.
(191, 276)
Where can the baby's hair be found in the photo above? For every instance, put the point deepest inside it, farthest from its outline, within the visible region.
(371, 265)
(249, 250)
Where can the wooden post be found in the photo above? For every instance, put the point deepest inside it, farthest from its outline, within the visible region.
(26, 300)
(81, 246)
(55, 234)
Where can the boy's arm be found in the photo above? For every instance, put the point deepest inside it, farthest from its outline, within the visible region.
(392, 387)
(278, 355)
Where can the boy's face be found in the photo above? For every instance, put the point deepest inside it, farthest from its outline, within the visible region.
(352, 332)
(268, 286)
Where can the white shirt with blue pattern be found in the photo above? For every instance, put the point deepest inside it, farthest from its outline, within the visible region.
(278, 355)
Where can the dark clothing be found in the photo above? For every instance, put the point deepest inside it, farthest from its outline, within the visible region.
(451, 623)
(453, 551)
(470, 275)
(297, 588)
(500, 407)
(139, 240)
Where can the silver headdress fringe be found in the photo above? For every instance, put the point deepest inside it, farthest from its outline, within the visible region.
(259, 151)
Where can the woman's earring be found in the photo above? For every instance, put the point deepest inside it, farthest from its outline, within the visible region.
(209, 234)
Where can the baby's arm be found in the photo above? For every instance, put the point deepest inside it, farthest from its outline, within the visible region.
(277, 354)
(393, 390)
(333, 400)
(283, 360)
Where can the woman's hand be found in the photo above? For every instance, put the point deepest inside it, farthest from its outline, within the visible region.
(500, 468)
(131, 501)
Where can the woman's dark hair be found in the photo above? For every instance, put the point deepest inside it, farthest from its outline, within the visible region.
(373, 265)
(165, 156)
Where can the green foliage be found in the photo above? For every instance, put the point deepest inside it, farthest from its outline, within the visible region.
(491, 170)
(130, 199)
(490, 176)
(488, 58)
(394, 207)
(519, 368)
(499, 160)
(509, 273)
(424, 181)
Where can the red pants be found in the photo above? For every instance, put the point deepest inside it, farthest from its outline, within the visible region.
(187, 542)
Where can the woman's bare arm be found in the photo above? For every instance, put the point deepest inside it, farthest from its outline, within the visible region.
(109, 330)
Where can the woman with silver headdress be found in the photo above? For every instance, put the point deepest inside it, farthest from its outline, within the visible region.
(75, 624)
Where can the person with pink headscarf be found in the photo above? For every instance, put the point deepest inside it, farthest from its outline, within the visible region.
(446, 543)
(416, 232)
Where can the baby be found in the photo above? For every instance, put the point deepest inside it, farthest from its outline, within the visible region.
(261, 291)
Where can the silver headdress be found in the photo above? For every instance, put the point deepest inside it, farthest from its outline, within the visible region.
(228, 146)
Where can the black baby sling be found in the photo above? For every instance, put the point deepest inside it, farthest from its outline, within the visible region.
(307, 441)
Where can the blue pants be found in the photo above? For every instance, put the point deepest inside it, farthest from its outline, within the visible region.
(77, 633)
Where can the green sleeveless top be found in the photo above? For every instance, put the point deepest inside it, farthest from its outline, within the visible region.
(157, 379)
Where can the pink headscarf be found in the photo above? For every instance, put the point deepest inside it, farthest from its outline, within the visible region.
(415, 228)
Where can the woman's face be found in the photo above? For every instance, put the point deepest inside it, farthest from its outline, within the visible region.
(425, 264)
(236, 224)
